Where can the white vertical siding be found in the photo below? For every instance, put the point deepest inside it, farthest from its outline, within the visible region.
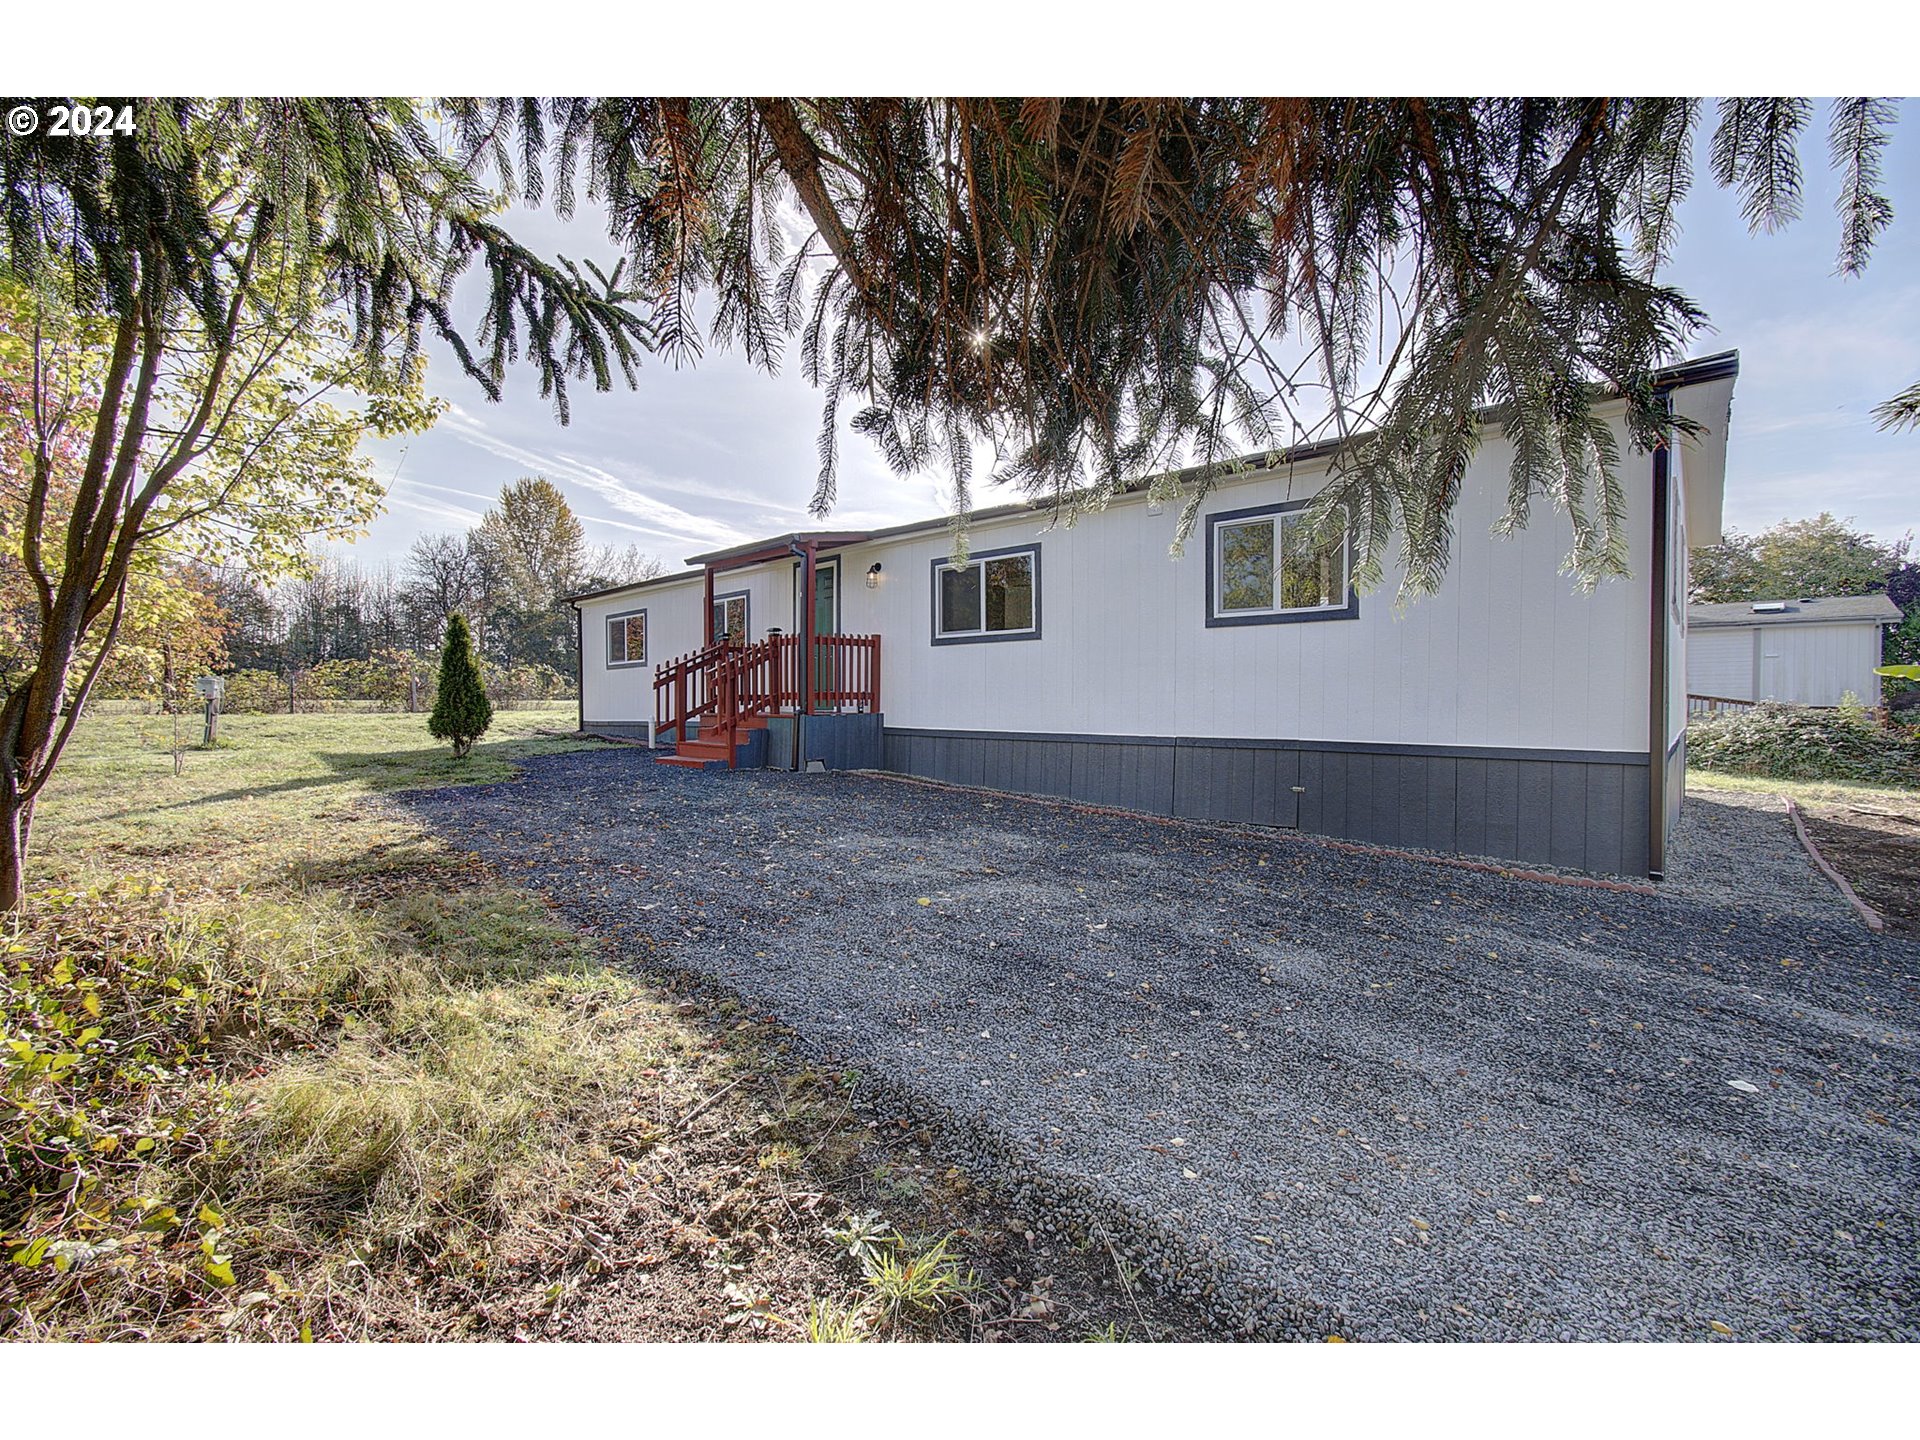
(1800, 664)
(674, 626)
(1509, 652)
(1720, 662)
(1819, 664)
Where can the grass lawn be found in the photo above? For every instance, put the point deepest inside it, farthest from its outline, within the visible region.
(280, 1065)
(1807, 792)
(276, 803)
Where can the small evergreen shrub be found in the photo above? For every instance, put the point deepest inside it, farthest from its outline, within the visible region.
(461, 710)
(1795, 742)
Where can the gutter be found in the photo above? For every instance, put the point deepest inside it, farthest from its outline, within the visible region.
(585, 595)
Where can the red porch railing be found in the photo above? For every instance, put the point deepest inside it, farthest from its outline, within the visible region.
(846, 672)
(687, 688)
(725, 684)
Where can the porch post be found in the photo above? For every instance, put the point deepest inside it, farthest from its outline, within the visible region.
(806, 628)
(706, 625)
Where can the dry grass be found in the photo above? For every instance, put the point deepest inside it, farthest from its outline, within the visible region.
(293, 1069)
(1805, 791)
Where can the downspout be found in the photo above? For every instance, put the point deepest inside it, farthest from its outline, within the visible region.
(580, 665)
(1657, 657)
(706, 625)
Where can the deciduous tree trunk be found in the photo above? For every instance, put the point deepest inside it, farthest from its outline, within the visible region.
(86, 584)
(33, 732)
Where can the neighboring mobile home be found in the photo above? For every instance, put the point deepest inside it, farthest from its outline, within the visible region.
(1806, 652)
(1509, 714)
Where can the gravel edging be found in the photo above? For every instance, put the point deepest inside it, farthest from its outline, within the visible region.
(1314, 1092)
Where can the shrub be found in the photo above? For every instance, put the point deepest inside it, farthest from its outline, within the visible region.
(382, 681)
(254, 692)
(511, 687)
(1795, 742)
(461, 710)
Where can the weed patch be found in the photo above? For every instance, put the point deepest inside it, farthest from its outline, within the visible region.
(1793, 742)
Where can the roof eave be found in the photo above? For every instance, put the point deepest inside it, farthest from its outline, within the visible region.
(1707, 370)
(584, 595)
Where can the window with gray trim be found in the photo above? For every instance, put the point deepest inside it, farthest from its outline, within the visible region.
(627, 639)
(994, 596)
(730, 617)
(1266, 565)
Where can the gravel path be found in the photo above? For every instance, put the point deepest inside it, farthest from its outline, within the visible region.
(1322, 1093)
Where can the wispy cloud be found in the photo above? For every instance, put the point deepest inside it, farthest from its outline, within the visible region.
(405, 482)
(648, 514)
(458, 514)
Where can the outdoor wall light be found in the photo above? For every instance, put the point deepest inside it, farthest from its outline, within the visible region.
(873, 576)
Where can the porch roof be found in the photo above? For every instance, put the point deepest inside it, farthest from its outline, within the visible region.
(755, 551)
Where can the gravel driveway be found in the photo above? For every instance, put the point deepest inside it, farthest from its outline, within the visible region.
(1322, 1093)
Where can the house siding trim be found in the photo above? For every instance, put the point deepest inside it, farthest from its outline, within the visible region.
(1662, 798)
(1346, 747)
(1579, 810)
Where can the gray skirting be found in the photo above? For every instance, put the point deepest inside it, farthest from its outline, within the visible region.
(1676, 783)
(1583, 810)
(842, 742)
(838, 742)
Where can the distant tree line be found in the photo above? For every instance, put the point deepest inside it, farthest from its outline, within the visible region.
(342, 632)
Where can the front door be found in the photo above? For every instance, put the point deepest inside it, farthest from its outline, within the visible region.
(826, 597)
(826, 621)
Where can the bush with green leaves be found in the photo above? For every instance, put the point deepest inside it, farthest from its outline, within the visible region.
(461, 710)
(512, 687)
(1798, 742)
(254, 692)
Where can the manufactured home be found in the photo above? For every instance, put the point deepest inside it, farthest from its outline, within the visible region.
(1510, 715)
(1809, 651)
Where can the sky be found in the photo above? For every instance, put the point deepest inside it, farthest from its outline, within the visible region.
(698, 458)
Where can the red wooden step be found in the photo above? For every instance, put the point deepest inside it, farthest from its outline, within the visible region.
(691, 762)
